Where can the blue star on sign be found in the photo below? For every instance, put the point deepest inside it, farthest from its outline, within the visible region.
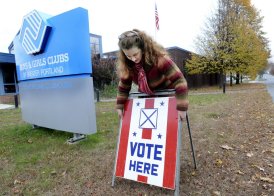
(159, 136)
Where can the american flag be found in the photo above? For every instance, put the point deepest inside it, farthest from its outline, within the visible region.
(156, 18)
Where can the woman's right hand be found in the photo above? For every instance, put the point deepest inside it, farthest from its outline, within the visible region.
(120, 113)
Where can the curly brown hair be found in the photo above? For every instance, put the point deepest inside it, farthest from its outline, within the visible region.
(151, 50)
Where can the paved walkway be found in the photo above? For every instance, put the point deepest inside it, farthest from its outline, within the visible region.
(270, 84)
(6, 106)
(266, 79)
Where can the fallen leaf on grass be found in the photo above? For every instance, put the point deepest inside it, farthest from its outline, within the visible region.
(240, 172)
(217, 193)
(266, 179)
(254, 177)
(268, 151)
(226, 147)
(64, 173)
(15, 190)
(250, 154)
(88, 184)
(17, 182)
(218, 162)
(260, 168)
(221, 134)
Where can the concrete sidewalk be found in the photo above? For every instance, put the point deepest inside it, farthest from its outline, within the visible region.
(6, 106)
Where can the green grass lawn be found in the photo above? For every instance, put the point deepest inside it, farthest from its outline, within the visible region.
(41, 151)
(36, 160)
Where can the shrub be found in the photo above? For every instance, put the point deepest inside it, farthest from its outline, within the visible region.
(104, 72)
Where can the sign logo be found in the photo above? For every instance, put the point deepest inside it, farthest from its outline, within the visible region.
(34, 33)
(42, 49)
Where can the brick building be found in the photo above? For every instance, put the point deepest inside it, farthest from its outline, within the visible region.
(180, 57)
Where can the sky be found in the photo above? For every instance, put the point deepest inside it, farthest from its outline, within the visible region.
(180, 21)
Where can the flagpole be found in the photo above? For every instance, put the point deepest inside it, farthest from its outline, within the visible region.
(155, 34)
(156, 21)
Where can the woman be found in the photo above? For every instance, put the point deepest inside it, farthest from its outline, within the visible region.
(146, 63)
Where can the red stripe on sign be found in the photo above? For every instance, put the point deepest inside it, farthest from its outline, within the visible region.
(149, 104)
(171, 145)
(141, 178)
(122, 152)
(147, 134)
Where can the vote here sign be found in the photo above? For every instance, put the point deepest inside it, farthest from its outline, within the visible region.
(148, 142)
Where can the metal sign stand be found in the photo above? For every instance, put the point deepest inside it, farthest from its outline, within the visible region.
(117, 148)
(76, 138)
(178, 159)
(179, 132)
(191, 143)
(177, 187)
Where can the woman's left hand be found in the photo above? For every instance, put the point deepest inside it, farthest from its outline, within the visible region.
(182, 115)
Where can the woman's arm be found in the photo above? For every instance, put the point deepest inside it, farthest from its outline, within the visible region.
(178, 82)
(124, 87)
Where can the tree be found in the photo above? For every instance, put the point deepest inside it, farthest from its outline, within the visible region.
(232, 42)
(250, 47)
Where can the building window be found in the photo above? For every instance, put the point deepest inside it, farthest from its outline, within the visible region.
(9, 79)
(95, 45)
(94, 42)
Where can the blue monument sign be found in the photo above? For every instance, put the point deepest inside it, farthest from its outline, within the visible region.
(53, 65)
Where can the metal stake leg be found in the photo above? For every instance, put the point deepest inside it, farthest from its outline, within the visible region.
(178, 160)
(117, 147)
(191, 143)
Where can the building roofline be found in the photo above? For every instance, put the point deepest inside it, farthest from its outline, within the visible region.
(95, 35)
(167, 48)
(7, 58)
(176, 47)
